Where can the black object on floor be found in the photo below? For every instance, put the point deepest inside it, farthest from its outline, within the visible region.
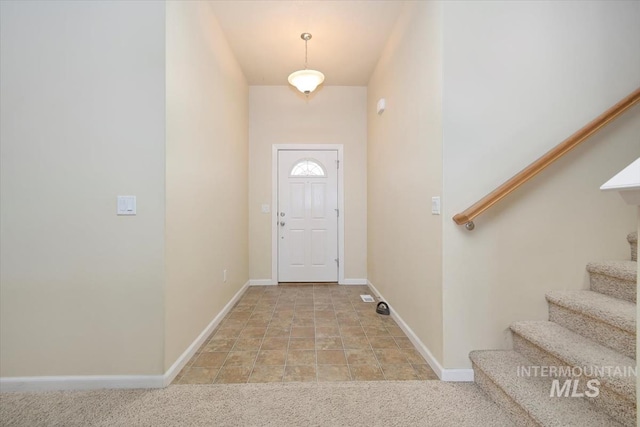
(383, 308)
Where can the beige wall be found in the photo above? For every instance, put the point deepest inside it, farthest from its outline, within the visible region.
(506, 101)
(82, 112)
(405, 171)
(332, 115)
(207, 158)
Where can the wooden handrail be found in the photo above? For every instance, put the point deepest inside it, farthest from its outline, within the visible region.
(466, 217)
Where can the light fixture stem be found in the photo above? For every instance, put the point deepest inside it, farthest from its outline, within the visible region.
(305, 53)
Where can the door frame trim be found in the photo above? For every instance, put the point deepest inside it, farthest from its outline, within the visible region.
(275, 148)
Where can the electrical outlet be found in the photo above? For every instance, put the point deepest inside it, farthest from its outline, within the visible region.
(224, 275)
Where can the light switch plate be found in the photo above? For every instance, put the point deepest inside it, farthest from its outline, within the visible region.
(126, 205)
(381, 105)
(435, 205)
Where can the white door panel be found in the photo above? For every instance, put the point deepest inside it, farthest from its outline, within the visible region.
(307, 216)
(319, 250)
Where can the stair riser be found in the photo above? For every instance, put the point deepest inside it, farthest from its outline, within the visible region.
(608, 401)
(541, 357)
(617, 288)
(600, 332)
(515, 412)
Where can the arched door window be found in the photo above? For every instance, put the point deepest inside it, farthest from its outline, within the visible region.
(308, 167)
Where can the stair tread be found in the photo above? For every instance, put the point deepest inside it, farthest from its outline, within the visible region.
(625, 270)
(613, 311)
(533, 393)
(575, 350)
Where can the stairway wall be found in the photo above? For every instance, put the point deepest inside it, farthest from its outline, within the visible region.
(519, 77)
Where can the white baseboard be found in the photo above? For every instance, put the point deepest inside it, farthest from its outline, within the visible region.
(457, 375)
(269, 282)
(79, 382)
(90, 382)
(195, 345)
(261, 282)
(449, 375)
(354, 282)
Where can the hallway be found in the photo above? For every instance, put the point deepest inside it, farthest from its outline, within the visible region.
(140, 171)
(305, 333)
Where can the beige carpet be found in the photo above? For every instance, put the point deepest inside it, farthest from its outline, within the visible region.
(385, 403)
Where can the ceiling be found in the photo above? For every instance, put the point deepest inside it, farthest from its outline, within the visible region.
(348, 37)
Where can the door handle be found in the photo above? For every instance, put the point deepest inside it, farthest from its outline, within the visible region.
(281, 223)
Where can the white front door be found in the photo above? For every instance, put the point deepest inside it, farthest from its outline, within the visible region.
(307, 216)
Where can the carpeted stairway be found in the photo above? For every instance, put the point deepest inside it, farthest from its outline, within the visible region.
(593, 331)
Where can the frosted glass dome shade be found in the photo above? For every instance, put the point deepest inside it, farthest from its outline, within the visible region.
(306, 81)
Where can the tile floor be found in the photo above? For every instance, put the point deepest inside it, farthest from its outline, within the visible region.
(305, 332)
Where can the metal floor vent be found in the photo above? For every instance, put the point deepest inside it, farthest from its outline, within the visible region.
(367, 298)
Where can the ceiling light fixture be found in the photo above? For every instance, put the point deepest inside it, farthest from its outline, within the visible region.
(306, 81)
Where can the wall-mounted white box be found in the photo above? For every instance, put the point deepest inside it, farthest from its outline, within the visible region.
(435, 205)
(126, 205)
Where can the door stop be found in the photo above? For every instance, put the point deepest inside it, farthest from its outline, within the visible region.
(383, 308)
